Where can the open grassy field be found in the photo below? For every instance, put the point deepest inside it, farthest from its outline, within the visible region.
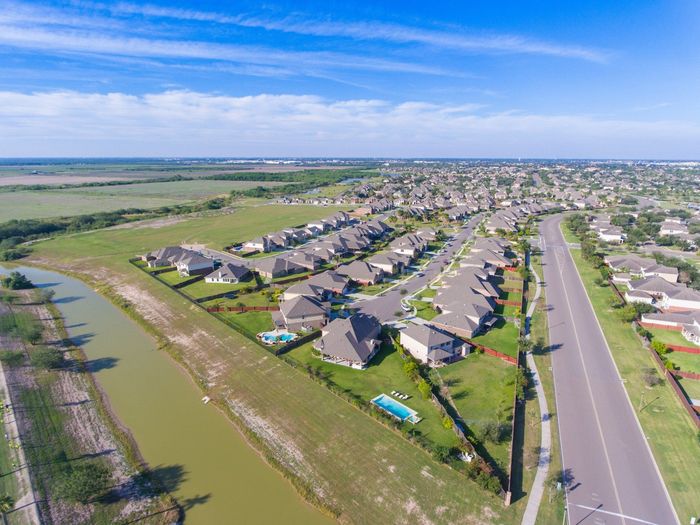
(670, 433)
(356, 465)
(482, 389)
(217, 231)
(384, 374)
(77, 201)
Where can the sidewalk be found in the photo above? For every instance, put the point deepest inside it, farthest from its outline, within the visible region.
(535, 497)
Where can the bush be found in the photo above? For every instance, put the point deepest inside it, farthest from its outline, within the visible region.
(424, 388)
(441, 453)
(650, 377)
(46, 357)
(659, 347)
(8, 357)
(627, 313)
(82, 483)
(410, 367)
(17, 281)
(494, 432)
(447, 423)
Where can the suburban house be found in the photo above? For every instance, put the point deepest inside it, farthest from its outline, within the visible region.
(409, 244)
(273, 267)
(430, 345)
(638, 266)
(259, 244)
(332, 281)
(352, 341)
(303, 313)
(229, 273)
(361, 272)
(308, 260)
(390, 263)
(688, 323)
(667, 295)
(194, 264)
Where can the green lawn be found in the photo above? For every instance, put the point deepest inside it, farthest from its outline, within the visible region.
(670, 433)
(8, 456)
(503, 337)
(383, 375)
(203, 289)
(424, 310)
(670, 337)
(691, 388)
(251, 323)
(685, 361)
(427, 292)
(482, 389)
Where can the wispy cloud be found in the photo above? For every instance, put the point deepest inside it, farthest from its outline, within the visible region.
(186, 123)
(457, 39)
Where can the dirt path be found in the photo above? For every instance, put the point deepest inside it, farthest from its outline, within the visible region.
(26, 507)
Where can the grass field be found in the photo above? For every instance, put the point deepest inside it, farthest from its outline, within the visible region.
(686, 362)
(364, 470)
(424, 310)
(78, 201)
(482, 390)
(670, 337)
(670, 433)
(383, 375)
(503, 337)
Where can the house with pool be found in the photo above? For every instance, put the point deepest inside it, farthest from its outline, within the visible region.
(352, 341)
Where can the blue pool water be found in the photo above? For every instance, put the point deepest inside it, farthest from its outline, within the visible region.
(285, 338)
(395, 408)
(271, 337)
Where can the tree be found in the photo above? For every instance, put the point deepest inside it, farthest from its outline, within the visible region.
(441, 453)
(424, 388)
(82, 483)
(659, 347)
(17, 281)
(8, 357)
(447, 423)
(46, 295)
(46, 357)
(6, 504)
(410, 367)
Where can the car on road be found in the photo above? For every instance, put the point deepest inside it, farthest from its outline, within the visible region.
(406, 308)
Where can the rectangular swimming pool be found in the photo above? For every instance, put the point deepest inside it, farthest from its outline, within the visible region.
(396, 409)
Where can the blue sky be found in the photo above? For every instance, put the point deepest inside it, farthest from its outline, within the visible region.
(411, 78)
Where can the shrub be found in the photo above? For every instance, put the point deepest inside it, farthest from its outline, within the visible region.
(447, 423)
(410, 367)
(17, 281)
(424, 388)
(650, 377)
(627, 313)
(8, 357)
(82, 483)
(494, 432)
(46, 357)
(659, 347)
(441, 453)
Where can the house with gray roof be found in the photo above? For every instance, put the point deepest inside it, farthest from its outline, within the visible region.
(272, 267)
(352, 341)
(361, 272)
(430, 345)
(303, 313)
(229, 273)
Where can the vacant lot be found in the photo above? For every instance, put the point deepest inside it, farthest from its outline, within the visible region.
(78, 201)
(354, 463)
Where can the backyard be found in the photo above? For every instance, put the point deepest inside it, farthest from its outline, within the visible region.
(503, 337)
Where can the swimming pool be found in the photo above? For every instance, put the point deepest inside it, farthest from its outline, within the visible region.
(396, 409)
(272, 338)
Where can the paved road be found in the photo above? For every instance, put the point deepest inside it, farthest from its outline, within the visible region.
(612, 477)
(385, 306)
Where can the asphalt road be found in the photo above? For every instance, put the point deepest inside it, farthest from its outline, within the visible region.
(611, 474)
(384, 307)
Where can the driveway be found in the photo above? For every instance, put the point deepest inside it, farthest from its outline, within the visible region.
(611, 475)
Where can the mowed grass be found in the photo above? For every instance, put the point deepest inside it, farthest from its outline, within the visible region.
(685, 361)
(671, 337)
(366, 471)
(552, 506)
(482, 389)
(503, 337)
(424, 310)
(384, 374)
(669, 430)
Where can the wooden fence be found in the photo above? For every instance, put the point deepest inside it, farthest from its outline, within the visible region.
(508, 303)
(686, 375)
(494, 353)
(219, 309)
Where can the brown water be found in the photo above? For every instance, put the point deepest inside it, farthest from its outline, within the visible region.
(211, 470)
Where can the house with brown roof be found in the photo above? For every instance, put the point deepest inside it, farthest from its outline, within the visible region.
(352, 341)
(303, 313)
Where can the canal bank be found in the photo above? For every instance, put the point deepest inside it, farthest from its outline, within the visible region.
(197, 454)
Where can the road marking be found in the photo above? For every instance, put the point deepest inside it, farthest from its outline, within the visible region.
(590, 389)
(623, 516)
(627, 396)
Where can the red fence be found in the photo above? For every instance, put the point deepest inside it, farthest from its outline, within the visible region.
(687, 375)
(242, 309)
(684, 349)
(495, 353)
(660, 326)
(508, 303)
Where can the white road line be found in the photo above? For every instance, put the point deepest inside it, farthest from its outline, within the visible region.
(590, 389)
(623, 516)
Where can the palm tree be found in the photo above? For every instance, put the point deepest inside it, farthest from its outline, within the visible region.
(6, 504)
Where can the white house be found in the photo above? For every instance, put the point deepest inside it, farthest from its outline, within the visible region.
(429, 345)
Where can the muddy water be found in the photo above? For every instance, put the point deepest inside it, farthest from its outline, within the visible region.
(210, 469)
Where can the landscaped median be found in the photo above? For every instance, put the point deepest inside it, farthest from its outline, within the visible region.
(668, 428)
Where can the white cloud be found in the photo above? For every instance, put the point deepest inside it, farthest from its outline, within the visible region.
(458, 39)
(184, 123)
